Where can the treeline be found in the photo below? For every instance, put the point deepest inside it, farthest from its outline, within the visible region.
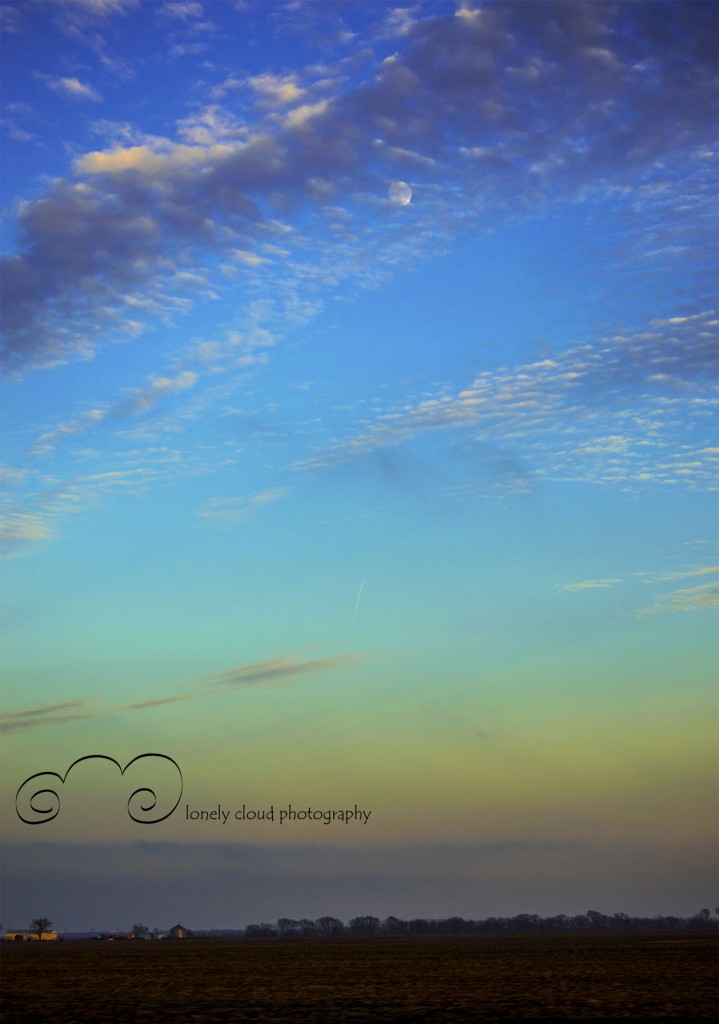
(592, 921)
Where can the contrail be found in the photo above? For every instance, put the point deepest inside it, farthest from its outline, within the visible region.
(357, 604)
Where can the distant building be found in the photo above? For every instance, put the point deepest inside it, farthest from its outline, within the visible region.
(178, 932)
(30, 936)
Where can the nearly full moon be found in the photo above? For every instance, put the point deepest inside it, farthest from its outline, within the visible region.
(400, 193)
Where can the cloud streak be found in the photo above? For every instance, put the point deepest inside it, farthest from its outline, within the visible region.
(47, 714)
(591, 585)
(280, 671)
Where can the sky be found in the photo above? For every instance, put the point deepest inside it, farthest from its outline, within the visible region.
(359, 450)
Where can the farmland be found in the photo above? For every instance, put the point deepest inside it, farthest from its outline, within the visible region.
(438, 979)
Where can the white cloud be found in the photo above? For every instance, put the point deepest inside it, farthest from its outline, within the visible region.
(592, 584)
(100, 8)
(555, 414)
(278, 90)
(170, 159)
(74, 89)
(183, 10)
(138, 401)
(19, 530)
(687, 599)
(223, 510)
(300, 115)
(20, 526)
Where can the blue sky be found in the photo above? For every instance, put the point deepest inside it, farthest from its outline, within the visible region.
(359, 426)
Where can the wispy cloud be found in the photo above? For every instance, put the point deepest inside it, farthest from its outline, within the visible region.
(280, 671)
(563, 413)
(710, 570)
(48, 501)
(567, 416)
(36, 504)
(18, 529)
(228, 509)
(684, 599)
(99, 8)
(138, 401)
(184, 10)
(47, 714)
(592, 584)
(74, 89)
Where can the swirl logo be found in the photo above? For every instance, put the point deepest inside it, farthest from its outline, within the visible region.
(38, 799)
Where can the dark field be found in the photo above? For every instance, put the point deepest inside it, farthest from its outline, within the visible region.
(437, 979)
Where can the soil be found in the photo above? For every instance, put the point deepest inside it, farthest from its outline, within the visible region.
(455, 979)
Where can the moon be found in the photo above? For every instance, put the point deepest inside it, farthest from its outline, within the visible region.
(400, 193)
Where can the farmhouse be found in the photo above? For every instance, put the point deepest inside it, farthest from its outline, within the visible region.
(178, 932)
(30, 936)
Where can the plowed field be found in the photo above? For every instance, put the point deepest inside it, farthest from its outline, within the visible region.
(433, 979)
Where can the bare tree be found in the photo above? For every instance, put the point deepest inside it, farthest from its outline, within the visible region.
(365, 925)
(329, 926)
(40, 925)
(288, 926)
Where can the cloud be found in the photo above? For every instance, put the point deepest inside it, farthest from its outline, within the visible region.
(686, 599)
(137, 402)
(11, 20)
(230, 509)
(85, 20)
(277, 90)
(74, 89)
(53, 501)
(682, 575)
(596, 413)
(10, 476)
(280, 671)
(47, 714)
(592, 584)
(188, 17)
(183, 10)
(90, 244)
(100, 8)
(147, 398)
(561, 414)
(18, 529)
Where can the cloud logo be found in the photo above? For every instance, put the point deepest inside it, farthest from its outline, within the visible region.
(37, 800)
